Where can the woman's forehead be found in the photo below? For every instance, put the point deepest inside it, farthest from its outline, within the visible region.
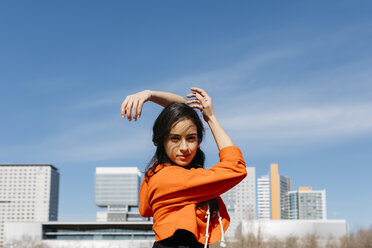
(184, 126)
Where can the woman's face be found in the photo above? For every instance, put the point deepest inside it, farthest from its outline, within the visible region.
(182, 143)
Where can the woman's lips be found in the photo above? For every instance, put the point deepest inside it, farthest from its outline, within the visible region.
(183, 156)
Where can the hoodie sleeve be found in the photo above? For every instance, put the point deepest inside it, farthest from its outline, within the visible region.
(144, 206)
(203, 184)
(175, 184)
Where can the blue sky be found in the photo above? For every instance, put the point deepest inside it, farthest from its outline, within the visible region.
(291, 83)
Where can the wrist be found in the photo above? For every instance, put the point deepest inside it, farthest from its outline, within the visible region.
(150, 94)
(212, 120)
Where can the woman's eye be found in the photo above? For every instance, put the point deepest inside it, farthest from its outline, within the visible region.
(191, 138)
(175, 139)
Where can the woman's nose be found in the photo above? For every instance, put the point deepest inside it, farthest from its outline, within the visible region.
(184, 146)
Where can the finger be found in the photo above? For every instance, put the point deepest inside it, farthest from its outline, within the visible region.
(140, 108)
(200, 91)
(191, 95)
(122, 110)
(193, 101)
(206, 98)
(134, 109)
(123, 107)
(128, 109)
(197, 106)
(200, 98)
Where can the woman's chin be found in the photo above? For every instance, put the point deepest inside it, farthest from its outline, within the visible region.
(183, 162)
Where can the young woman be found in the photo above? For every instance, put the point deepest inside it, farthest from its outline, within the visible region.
(182, 197)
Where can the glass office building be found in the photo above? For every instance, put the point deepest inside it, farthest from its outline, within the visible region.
(307, 204)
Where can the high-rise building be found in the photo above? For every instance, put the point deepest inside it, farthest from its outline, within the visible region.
(307, 204)
(240, 201)
(271, 194)
(284, 187)
(276, 201)
(116, 188)
(263, 197)
(28, 193)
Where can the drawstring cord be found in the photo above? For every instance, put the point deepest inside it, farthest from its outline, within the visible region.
(222, 243)
(208, 216)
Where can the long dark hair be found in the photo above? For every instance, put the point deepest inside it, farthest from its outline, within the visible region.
(171, 115)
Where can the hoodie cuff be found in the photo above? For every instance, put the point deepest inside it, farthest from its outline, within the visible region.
(230, 153)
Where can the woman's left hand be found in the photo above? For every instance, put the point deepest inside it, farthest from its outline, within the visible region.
(202, 101)
(132, 105)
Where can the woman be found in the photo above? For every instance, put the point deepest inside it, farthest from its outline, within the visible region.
(182, 197)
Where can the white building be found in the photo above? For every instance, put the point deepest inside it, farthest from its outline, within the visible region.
(81, 234)
(116, 188)
(271, 195)
(28, 193)
(307, 204)
(240, 201)
(263, 197)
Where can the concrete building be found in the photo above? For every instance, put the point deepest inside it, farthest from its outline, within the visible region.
(116, 188)
(240, 201)
(28, 193)
(307, 204)
(271, 195)
(276, 200)
(82, 234)
(263, 197)
(284, 188)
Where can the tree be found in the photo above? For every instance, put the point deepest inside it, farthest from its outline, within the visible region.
(310, 241)
(291, 242)
(331, 242)
(25, 242)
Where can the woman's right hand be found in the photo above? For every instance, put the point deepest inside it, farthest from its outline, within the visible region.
(202, 101)
(132, 105)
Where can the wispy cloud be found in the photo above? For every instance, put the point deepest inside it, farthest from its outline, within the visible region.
(232, 77)
(96, 103)
(253, 101)
(112, 139)
(303, 123)
(108, 139)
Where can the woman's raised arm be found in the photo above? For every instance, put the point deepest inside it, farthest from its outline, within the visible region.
(132, 105)
(202, 101)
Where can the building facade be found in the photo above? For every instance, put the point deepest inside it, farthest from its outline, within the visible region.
(116, 188)
(307, 204)
(271, 195)
(28, 193)
(263, 197)
(81, 234)
(240, 201)
(284, 188)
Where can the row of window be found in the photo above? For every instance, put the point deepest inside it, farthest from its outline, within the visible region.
(21, 184)
(21, 218)
(29, 175)
(31, 213)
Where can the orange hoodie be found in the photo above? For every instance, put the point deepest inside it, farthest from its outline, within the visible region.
(170, 196)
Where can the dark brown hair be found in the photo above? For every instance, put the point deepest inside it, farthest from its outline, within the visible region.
(171, 115)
